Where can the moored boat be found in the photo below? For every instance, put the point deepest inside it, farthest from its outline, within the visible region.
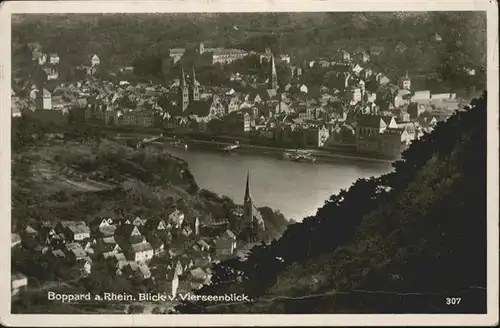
(298, 156)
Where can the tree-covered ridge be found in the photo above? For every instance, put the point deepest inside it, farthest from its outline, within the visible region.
(143, 40)
(399, 243)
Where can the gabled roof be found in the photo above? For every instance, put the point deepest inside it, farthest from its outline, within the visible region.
(58, 253)
(125, 230)
(120, 257)
(17, 276)
(30, 230)
(142, 247)
(229, 234)
(145, 270)
(14, 237)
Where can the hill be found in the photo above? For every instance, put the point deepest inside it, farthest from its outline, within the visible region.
(122, 39)
(55, 179)
(399, 243)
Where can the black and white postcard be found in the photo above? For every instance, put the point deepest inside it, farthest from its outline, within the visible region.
(273, 163)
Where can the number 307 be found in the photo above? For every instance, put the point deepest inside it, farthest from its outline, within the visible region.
(453, 300)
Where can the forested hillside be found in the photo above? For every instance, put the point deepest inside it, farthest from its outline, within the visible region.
(124, 39)
(399, 243)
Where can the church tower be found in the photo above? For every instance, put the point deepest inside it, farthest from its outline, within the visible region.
(195, 88)
(183, 91)
(247, 203)
(273, 79)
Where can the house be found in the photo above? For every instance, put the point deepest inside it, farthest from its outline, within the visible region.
(15, 239)
(427, 121)
(187, 231)
(88, 247)
(437, 38)
(107, 230)
(390, 143)
(76, 230)
(54, 59)
(179, 269)
(186, 262)
(226, 244)
(52, 73)
(202, 261)
(196, 226)
(382, 79)
(376, 50)
(342, 56)
(18, 282)
(77, 253)
(109, 251)
(404, 82)
(198, 275)
(419, 96)
(58, 254)
(85, 266)
(361, 57)
(138, 222)
(141, 252)
(130, 269)
(176, 217)
(415, 110)
(161, 226)
(401, 115)
(95, 61)
(173, 278)
(318, 136)
(203, 245)
(357, 69)
(157, 244)
(106, 222)
(143, 272)
(31, 232)
(128, 234)
(369, 125)
(402, 98)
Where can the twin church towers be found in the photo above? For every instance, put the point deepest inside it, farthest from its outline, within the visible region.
(189, 92)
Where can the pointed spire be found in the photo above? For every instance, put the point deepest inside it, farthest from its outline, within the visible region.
(273, 65)
(273, 79)
(247, 188)
(194, 77)
(183, 78)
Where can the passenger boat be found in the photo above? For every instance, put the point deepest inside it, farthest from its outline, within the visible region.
(299, 156)
(231, 147)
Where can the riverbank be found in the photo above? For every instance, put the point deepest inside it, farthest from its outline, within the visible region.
(217, 144)
(321, 155)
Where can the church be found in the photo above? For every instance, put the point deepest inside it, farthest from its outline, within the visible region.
(188, 93)
(251, 214)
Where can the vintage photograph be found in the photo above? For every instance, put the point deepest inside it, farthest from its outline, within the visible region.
(249, 163)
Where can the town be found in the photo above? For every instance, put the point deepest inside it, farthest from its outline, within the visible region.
(353, 109)
(173, 254)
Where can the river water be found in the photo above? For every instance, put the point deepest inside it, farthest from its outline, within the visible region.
(295, 189)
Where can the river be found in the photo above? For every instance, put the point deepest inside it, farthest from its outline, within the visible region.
(295, 189)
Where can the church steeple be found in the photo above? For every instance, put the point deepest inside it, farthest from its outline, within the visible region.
(273, 79)
(183, 78)
(184, 91)
(247, 203)
(195, 90)
(247, 189)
